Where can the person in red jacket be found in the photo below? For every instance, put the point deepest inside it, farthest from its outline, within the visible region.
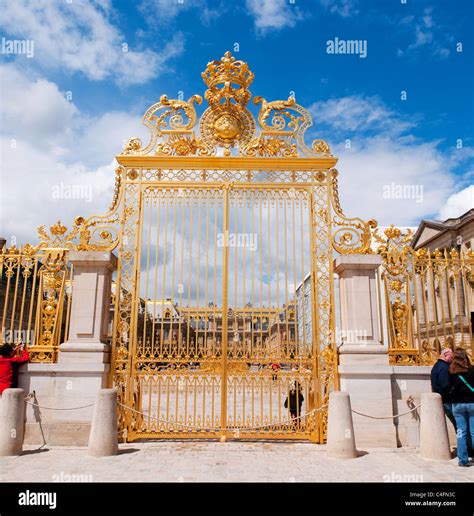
(8, 357)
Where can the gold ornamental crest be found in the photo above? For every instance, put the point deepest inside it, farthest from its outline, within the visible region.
(227, 123)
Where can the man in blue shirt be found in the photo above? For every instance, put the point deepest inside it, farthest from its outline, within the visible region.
(440, 381)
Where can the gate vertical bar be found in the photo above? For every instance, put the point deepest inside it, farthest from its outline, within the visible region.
(225, 263)
(314, 317)
(332, 298)
(135, 307)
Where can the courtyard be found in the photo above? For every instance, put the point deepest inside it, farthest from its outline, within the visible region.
(195, 461)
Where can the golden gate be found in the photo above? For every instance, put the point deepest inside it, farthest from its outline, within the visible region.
(224, 319)
(224, 299)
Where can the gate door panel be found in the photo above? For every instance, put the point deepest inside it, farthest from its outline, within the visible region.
(270, 366)
(175, 379)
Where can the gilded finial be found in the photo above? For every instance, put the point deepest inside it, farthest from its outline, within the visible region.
(222, 76)
(58, 229)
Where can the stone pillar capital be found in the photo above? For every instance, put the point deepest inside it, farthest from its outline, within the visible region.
(86, 259)
(360, 262)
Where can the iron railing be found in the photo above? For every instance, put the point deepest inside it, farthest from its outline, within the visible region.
(429, 298)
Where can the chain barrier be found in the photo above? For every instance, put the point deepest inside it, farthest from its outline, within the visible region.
(387, 417)
(32, 395)
(231, 429)
(234, 429)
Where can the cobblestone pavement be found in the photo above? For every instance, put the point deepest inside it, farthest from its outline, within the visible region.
(226, 462)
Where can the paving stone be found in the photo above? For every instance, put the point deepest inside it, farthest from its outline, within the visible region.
(170, 461)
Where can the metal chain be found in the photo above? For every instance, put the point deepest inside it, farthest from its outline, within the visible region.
(387, 417)
(54, 408)
(234, 429)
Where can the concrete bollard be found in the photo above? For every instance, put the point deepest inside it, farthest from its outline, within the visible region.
(434, 440)
(12, 422)
(103, 440)
(341, 439)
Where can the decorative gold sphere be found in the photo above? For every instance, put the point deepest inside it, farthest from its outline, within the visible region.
(227, 127)
(49, 310)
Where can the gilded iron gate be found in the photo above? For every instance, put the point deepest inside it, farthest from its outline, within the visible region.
(224, 311)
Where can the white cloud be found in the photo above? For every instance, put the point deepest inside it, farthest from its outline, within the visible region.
(103, 137)
(273, 14)
(33, 109)
(427, 32)
(422, 37)
(278, 14)
(357, 113)
(79, 37)
(393, 182)
(48, 145)
(30, 179)
(159, 12)
(44, 155)
(386, 173)
(343, 8)
(164, 9)
(458, 203)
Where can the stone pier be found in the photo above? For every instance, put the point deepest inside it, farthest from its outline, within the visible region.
(84, 360)
(364, 367)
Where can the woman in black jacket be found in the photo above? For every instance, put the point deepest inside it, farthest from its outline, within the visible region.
(462, 395)
(294, 400)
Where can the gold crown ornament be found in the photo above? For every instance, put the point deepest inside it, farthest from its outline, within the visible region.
(227, 121)
(227, 81)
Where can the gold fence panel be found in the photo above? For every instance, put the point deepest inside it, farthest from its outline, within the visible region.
(35, 298)
(428, 299)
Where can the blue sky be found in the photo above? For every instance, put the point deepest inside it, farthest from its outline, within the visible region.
(69, 108)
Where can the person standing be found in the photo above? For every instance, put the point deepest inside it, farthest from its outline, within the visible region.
(8, 358)
(440, 381)
(294, 400)
(275, 369)
(462, 397)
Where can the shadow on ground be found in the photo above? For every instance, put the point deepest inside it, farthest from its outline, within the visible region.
(37, 450)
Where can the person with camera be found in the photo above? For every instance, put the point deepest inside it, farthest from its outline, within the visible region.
(9, 358)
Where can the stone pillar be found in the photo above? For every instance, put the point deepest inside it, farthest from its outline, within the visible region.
(364, 368)
(12, 421)
(103, 436)
(434, 440)
(341, 440)
(84, 359)
(90, 308)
